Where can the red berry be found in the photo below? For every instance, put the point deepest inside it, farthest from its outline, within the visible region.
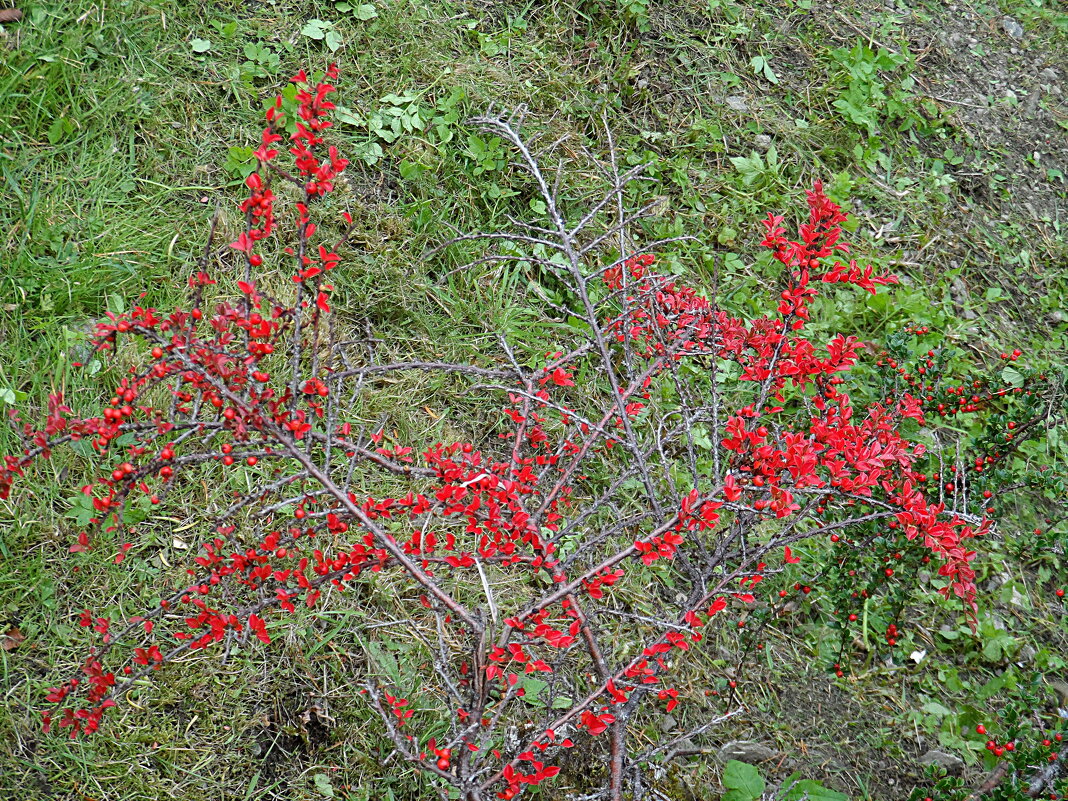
(255, 259)
(980, 729)
(443, 764)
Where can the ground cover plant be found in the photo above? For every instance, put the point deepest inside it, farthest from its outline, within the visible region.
(814, 668)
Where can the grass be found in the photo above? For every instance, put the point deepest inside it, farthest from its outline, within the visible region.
(121, 127)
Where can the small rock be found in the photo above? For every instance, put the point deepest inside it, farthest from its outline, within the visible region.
(686, 745)
(952, 763)
(1049, 75)
(958, 291)
(1027, 655)
(737, 102)
(668, 723)
(1018, 599)
(746, 751)
(1012, 27)
(1056, 317)
(1031, 104)
(762, 142)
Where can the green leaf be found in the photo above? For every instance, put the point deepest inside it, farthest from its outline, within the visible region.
(992, 650)
(348, 116)
(386, 661)
(1013, 377)
(323, 785)
(200, 45)
(315, 28)
(750, 167)
(743, 782)
(116, 303)
(812, 791)
(760, 66)
(333, 40)
(532, 689)
(935, 708)
(59, 130)
(365, 11)
(410, 170)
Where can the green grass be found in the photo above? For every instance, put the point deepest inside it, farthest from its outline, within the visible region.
(115, 147)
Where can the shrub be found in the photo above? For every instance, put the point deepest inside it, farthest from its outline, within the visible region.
(654, 471)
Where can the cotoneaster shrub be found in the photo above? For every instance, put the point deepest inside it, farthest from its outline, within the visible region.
(657, 466)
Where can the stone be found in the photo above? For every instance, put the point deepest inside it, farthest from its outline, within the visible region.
(951, 763)
(737, 102)
(762, 142)
(1012, 27)
(1018, 599)
(746, 751)
(958, 291)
